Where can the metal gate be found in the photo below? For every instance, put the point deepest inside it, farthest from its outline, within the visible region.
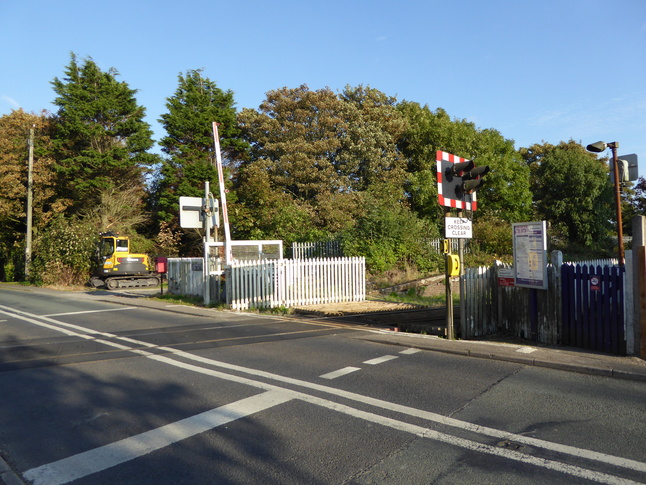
(593, 307)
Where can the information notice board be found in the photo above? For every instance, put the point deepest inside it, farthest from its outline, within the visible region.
(530, 254)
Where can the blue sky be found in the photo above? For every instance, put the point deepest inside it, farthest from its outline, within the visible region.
(541, 71)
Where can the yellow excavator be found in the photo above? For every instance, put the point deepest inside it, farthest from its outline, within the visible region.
(116, 267)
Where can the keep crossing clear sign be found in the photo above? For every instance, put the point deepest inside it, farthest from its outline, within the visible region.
(458, 228)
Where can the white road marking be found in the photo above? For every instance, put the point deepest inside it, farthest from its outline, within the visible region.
(526, 350)
(93, 311)
(380, 360)
(433, 417)
(104, 457)
(340, 372)
(410, 351)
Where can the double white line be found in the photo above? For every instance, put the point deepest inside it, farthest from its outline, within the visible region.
(98, 459)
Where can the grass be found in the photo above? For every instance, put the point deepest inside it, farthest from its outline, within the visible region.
(188, 300)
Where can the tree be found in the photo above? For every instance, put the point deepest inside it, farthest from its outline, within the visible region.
(369, 154)
(296, 134)
(15, 129)
(313, 151)
(572, 192)
(189, 147)
(390, 235)
(506, 194)
(638, 200)
(101, 138)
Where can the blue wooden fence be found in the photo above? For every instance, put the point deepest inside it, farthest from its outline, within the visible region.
(593, 307)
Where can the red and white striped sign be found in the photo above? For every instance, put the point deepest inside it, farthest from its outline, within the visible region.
(444, 160)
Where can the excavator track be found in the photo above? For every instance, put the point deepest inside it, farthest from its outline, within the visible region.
(132, 282)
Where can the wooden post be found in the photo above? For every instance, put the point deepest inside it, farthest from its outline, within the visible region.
(639, 284)
(641, 278)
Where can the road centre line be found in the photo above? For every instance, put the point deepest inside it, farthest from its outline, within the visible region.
(113, 454)
(380, 360)
(535, 442)
(340, 372)
(92, 311)
(410, 351)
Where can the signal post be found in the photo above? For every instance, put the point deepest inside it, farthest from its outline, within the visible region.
(457, 182)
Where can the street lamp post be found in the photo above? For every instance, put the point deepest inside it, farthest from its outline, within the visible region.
(599, 147)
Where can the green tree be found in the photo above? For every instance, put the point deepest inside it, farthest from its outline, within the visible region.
(63, 252)
(189, 147)
(312, 152)
(296, 134)
(369, 154)
(572, 192)
(390, 235)
(101, 138)
(506, 194)
(633, 203)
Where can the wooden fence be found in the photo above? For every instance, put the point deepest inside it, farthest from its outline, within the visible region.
(288, 283)
(490, 307)
(593, 307)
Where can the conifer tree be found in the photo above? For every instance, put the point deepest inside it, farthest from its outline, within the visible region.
(102, 140)
(190, 160)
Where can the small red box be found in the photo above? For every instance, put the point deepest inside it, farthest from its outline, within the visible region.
(161, 264)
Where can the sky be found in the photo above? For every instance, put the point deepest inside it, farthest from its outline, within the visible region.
(536, 71)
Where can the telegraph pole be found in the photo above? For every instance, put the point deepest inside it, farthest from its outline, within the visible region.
(30, 183)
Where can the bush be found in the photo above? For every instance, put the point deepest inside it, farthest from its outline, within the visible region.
(63, 253)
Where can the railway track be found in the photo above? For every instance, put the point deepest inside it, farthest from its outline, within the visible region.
(430, 321)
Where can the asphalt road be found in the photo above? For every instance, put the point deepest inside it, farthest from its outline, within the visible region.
(98, 393)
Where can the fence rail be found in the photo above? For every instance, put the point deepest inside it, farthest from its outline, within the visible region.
(333, 249)
(275, 283)
(320, 249)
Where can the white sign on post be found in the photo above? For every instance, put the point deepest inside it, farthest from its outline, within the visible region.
(190, 212)
(458, 228)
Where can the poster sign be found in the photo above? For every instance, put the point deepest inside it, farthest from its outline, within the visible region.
(530, 254)
(458, 228)
(506, 277)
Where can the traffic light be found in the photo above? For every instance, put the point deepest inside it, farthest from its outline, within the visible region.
(458, 179)
(472, 179)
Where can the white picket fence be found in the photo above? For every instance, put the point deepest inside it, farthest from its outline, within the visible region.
(294, 282)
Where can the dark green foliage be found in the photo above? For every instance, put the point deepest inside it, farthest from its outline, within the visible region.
(305, 166)
(572, 192)
(506, 193)
(189, 144)
(388, 234)
(63, 252)
(101, 138)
